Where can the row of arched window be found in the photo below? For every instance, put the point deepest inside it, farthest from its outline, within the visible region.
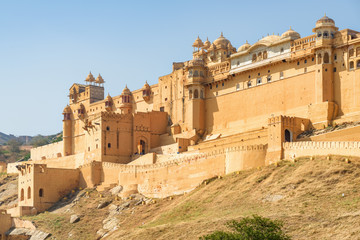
(352, 64)
(22, 194)
(352, 52)
(196, 73)
(126, 99)
(196, 94)
(325, 34)
(326, 58)
(260, 56)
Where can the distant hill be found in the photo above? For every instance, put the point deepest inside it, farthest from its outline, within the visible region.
(31, 140)
(4, 138)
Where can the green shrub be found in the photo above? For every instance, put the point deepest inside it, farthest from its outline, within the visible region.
(251, 228)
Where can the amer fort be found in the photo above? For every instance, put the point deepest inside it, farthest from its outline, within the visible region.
(223, 111)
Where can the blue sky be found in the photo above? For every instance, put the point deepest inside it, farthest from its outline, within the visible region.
(46, 46)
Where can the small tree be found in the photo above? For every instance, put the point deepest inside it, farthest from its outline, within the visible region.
(14, 145)
(251, 228)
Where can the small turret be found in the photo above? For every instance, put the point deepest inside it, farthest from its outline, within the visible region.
(90, 78)
(325, 28)
(108, 103)
(146, 92)
(126, 101)
(99, 80)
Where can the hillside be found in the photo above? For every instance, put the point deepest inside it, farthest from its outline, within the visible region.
(29, 140)
(316, 198)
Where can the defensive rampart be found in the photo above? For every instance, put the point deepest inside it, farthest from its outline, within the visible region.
(49, 151)
(299, 149)
(183, 172)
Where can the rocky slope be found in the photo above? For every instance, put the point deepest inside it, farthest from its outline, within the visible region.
(316, 198)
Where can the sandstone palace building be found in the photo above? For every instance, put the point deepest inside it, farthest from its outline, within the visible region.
(223, 111)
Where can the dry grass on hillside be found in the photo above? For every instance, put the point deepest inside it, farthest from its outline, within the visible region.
(8, 190)
(316, 199)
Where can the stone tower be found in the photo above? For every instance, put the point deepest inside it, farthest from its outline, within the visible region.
(126, 101)
(325, 30)
(67, 131)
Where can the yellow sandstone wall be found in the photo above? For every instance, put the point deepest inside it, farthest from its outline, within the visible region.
(299, 149)
(49, 151)
(250, 108)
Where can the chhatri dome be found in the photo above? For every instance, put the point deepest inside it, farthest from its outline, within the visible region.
(270, 38)
(244, 47)
(67, 109)
(325, 21)
(90, 78)
(221, 42)
(126, 91)
(108, 98)
(198, 43)
(290, 33)
(99, 79)
(207, 44)
(146, 85)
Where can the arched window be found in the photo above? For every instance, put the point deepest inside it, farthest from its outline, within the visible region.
(190, 94)
(22, 195)
(196, 73)
(326, 58)
(190, 73)
(351, 52)
(358, 64)
(265, 55)
(288, 136)
(258, 81)
(351, 65)
(268, 78)
(29, 193)
(41, 192)
(319, 34)
(281, 75)
(196, 93)
(326, 34)
(201, 94)
(254, 57)
(238, 87)
(249, 83)
(319, 58)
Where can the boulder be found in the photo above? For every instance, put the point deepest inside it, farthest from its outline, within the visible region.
(74, 218)
(116, 190)
(103, 204)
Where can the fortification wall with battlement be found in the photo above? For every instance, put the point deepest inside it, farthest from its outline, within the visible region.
(298, 149)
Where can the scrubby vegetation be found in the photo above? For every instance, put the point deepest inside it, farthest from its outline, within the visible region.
(250, 228)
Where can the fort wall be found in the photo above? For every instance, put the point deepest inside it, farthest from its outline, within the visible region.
(53, 150)
(183, 172)
(290, 96)
(299, 149)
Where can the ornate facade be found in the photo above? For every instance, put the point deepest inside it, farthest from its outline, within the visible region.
(225, 110)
